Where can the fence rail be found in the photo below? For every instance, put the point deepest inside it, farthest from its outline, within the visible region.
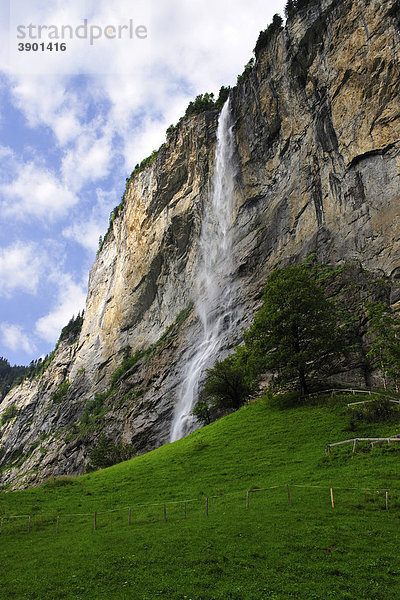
(372, 440)
(353, 392)
(179, 509)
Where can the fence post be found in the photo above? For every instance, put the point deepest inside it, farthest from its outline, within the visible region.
(165, 512)
(95, 522)
(354, 445)
(387, 500)
(247, 499)
(58, 524)
(129, 516)
(207, 506)
(332, 502)
(288, 495)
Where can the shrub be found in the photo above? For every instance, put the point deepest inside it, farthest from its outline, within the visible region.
(9, 414)
(126, 365)
(380, 410)
(9, 376)
(108, 453)
(170, 130)
(94, 407)
(61, 392)
(247, 70)
(60, 481)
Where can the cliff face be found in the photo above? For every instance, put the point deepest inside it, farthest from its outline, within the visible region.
(317, 127)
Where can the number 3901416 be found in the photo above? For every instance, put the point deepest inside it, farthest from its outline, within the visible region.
(42, 47)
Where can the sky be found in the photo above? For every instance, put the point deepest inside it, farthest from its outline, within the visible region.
(76, 119)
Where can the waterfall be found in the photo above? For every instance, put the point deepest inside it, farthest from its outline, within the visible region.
(214, 288)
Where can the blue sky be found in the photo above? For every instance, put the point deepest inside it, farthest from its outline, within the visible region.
(74, 123)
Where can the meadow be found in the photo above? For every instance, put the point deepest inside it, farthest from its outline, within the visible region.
(154, 538)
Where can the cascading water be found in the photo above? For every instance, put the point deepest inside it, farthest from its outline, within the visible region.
(213, 303)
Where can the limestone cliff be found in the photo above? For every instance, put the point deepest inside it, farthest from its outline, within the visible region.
(317, 128)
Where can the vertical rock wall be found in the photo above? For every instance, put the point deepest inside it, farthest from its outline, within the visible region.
(317, 126)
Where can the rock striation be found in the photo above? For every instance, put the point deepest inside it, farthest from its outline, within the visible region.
(317, 129)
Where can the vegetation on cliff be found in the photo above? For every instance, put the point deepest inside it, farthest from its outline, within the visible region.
(306, 330)
(385, 346)
(265, 36)
(294, 6)
(91, 429)
(9, 375)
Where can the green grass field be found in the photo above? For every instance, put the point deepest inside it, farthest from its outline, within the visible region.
(272, 550)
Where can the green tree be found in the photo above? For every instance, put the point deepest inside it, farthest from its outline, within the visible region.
(290, 9)
(266, 35)
(227, 384)
(9, 376)
(222, 96)
(246, 72)
(201, 103)
(295, 334)
(385, 347)
(294, 6)
(203, 413)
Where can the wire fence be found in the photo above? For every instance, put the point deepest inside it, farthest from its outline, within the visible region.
(321, 497)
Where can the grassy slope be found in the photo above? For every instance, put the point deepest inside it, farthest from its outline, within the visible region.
(271, 551)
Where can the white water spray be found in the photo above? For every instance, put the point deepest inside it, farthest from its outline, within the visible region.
(214, 295)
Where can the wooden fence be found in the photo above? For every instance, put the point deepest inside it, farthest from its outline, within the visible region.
(206, 505)
(353, 392)
(355, 441)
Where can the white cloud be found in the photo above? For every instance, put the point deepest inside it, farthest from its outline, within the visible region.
(71, 300)
(66, 126)
(21, 266)
(192, 47)
(87, 232)
(14, 338)
(36, 191)
(89, 160)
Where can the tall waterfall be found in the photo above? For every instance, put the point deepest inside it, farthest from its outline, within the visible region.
(213, 302)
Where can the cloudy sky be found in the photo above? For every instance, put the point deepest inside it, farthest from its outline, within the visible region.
(75, 121)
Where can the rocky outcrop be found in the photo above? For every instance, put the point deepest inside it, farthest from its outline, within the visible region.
(317, 126)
